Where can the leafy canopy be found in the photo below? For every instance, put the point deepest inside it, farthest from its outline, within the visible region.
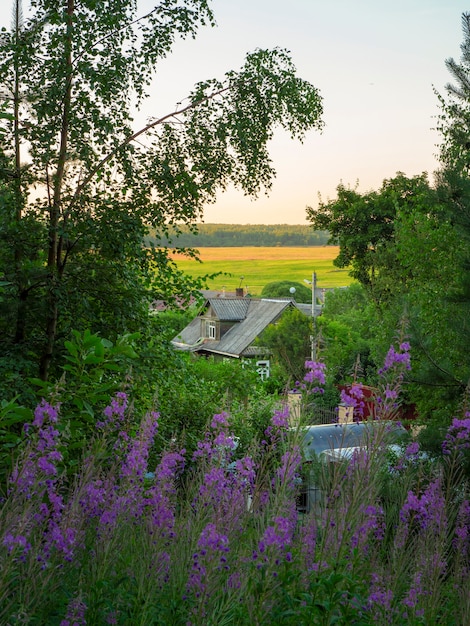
(82, 186)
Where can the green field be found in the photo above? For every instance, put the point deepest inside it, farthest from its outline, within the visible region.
(252, 268)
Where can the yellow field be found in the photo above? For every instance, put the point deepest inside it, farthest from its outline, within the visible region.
(252, 268)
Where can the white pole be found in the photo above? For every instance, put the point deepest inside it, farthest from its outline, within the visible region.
(314, 323)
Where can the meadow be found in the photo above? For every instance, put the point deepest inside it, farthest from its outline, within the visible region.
(254, 267)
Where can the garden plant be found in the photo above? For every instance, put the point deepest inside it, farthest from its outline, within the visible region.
(214, 537)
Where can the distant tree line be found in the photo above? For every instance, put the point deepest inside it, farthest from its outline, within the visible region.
(225, 235)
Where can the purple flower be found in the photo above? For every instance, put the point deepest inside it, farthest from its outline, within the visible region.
(457, 438)
(114, 412)
(44, 411)
(75, 613)
(219, 421)
(315, 373)
(279, 535)
(394, 359)
(11, 541)
(354, 397)
(135, 464)
(280, 419)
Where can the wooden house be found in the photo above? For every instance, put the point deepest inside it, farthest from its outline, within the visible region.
(228, 327)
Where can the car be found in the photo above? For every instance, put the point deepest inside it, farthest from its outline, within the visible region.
(323, 443)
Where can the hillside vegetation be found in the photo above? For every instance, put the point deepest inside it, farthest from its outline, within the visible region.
(228, 235)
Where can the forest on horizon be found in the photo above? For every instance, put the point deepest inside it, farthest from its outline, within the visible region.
(228, 235)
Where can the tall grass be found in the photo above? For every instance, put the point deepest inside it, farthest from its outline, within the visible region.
(216, 539)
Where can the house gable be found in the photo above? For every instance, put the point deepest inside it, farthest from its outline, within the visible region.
(229, 326)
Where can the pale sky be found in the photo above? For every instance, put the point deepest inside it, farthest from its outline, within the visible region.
(375, 63)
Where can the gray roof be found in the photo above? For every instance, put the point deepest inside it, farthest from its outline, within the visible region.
(230, 309)
(258, 314)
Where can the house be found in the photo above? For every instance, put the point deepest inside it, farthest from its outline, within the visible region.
(228, 327)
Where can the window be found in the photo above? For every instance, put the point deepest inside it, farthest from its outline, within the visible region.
(211, 330)
(262, 367)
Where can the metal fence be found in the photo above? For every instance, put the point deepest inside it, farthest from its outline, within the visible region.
(322, 414)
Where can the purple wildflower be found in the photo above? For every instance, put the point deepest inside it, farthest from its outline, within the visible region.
(279, 425)
(75, 613)
(11, 541)
(212, 549)
(457, 438)
(219, 421)
(45, 411)
(279, 535)
(135, 464)
(397, 359)
(114, 413)
(426, 511)
(354, 397)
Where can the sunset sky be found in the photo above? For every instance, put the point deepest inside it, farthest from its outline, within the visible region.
(375, 63)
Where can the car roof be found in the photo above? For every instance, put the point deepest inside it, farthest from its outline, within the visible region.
(320, 437)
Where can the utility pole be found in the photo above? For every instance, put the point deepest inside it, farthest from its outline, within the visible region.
(314, 322)
(313, 283)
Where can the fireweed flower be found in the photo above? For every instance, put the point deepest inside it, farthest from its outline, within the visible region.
(134, 467)
(397, 360)
(225, 494)
(45, 411)
(287, 473)
(410, 456)
(314, 379)
(371, 523)
(212, 550)
(279, 535)
(75, 613)
(380, 598)
(354, 397)
(423, 513)
(114, 413)
(218, 444)
(135, 463)
(11, 542)
(160, 499)
(279, 425)
(457, 438)
(396, 363)
(31, 471)
(219, 421)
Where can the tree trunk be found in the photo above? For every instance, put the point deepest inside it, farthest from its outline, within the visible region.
(54, 260)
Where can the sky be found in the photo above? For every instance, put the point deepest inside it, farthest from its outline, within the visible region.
(376, 64)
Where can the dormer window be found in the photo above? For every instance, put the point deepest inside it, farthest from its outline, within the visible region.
(211, 330)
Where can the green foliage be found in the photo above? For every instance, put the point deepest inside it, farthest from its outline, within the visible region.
(12, 418)
(289, 341)
(93, 372)
(201, 387)
(76, 254)
(347, 333)
(282, 289)
(363, 225)
(227, 235)
(454, 119)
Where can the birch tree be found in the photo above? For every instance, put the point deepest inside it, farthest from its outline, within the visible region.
(81, 186)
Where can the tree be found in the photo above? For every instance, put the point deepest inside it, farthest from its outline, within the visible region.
(84, 186)
(364, 225)
(282, 289)
(454, 119)
(289, 341)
